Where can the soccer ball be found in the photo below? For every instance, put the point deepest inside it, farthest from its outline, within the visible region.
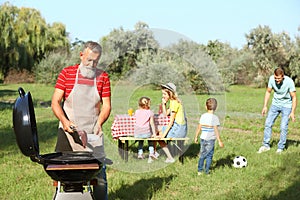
(239, 162)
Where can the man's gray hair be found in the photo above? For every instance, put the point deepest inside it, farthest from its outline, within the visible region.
(94, 46)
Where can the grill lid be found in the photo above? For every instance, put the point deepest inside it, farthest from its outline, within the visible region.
(24, 124)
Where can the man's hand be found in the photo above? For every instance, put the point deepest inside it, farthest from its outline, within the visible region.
(98, 129)
(264, 110)
(292, 116)
(69, 126)
(221, 144)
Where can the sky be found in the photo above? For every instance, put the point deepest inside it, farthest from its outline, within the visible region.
(198, 20)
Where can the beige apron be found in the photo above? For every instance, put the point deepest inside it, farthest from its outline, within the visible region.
(82, 107)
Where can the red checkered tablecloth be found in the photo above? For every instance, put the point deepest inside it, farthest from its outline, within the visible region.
(123, 125)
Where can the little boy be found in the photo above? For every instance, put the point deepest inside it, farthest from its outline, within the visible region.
(208, 125)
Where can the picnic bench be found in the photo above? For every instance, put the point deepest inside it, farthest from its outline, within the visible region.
(123, 144)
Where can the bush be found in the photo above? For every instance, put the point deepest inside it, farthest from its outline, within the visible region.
(47, 70)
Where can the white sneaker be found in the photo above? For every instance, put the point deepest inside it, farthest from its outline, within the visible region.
(156, 155)
(152, 155)
(263, 149)
(279, 151)
(140, 156)
(170, 160)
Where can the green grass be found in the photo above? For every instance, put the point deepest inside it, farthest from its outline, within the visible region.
(268, 176)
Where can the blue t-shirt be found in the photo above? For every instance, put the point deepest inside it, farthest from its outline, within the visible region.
(282, 97)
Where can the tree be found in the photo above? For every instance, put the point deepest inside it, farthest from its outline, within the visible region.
(25, 38)
(269, 50)
(186, 64)
(224, 56)
(122, 48)
(273, 50)
(7, 37)
(294, 64)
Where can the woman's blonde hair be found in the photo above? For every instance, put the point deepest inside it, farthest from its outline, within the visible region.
(172, 95)
(144, 102)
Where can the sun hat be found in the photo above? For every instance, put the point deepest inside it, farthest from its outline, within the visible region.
(170, 86)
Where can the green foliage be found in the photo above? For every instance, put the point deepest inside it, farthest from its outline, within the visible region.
(122, 48)
(25, 37)
(226, 59)
(273, 50)
(158, 68)
(200, 71)
(243, 69)
(27, 41)
(191, 71)
(215, 49)
(294, 65)
(46, 72)
(267, 176)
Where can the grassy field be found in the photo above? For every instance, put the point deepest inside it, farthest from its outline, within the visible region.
(268, 176)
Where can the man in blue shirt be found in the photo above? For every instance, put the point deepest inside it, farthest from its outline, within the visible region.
(284, 102)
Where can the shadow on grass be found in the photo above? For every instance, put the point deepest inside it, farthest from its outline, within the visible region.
(292, 143)
(6, 105)
(289, 171)
(8, 92)
(289, 143)
(141, 189)
(46, 130)
(9, 103)
(291, 193)
(224, 162)
(192, 150)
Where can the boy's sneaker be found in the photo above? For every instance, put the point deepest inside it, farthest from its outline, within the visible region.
(263, 149)
(170, 160)
(200, 173)
(150, 160)
(156, 155)
(279, 151)
(140, 156)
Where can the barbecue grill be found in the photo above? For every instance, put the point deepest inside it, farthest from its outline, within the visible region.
(72, 170)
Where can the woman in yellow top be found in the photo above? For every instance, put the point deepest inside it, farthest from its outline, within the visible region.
(177, 127)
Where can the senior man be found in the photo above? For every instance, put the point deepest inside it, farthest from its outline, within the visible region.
(81, 101)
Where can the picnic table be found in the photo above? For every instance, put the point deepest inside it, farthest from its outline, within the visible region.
(123, 131)
(123, 124)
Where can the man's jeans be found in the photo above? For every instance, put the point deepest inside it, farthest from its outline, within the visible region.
(206, 153)
(100, 190)
(272, 116)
